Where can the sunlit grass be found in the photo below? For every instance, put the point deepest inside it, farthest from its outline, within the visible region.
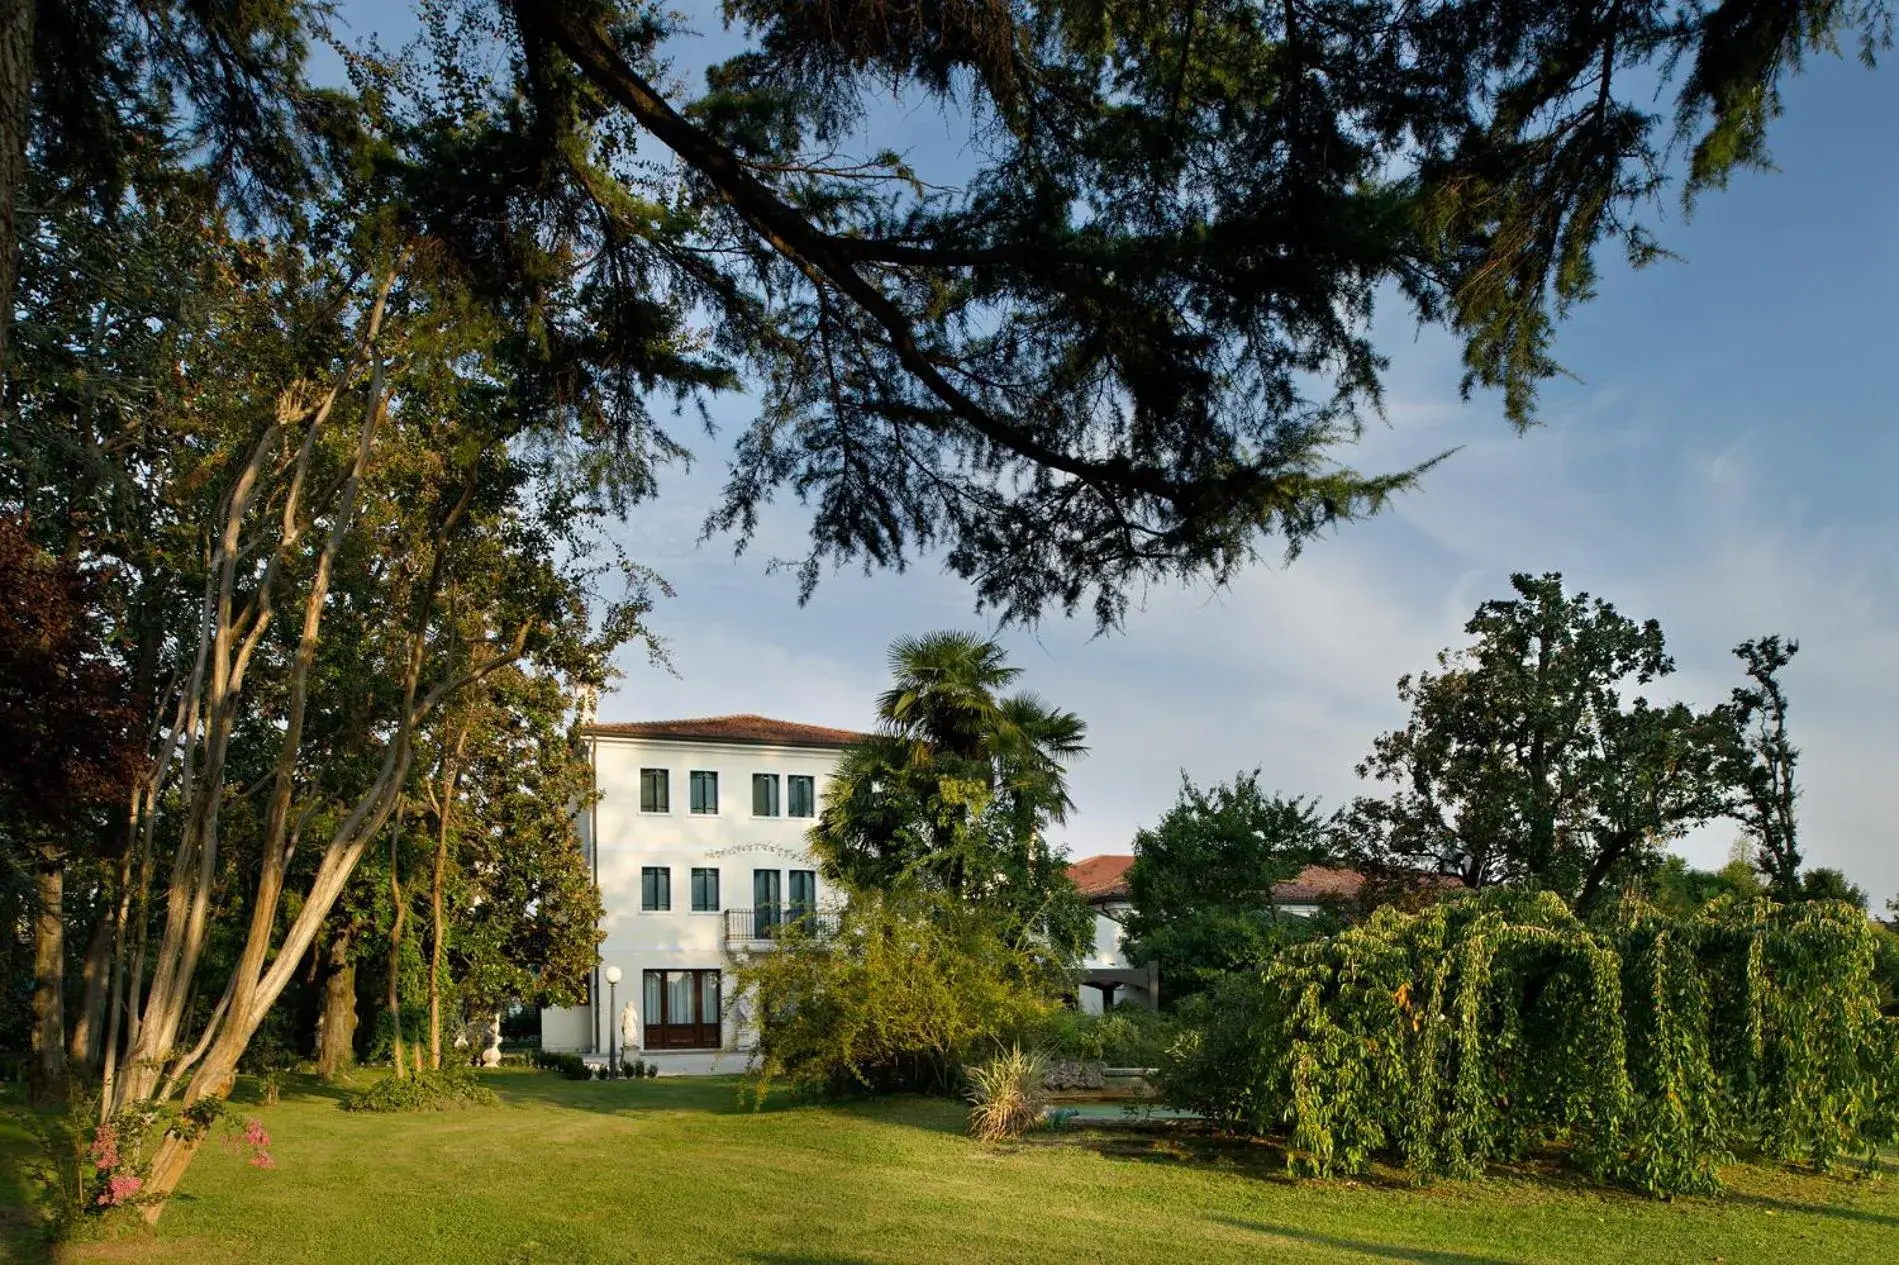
(675, 1170)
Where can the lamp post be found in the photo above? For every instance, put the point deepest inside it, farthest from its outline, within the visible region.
(613, 978)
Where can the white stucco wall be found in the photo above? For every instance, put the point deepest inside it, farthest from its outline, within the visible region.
(1107, 953)
(621, 840)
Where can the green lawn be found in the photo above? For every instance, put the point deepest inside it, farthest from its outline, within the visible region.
(676, 1170)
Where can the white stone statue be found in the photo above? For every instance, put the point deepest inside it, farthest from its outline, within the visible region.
(491, 1041)
(629, 1031)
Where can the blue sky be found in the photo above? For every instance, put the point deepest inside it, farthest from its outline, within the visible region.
(1725, 463)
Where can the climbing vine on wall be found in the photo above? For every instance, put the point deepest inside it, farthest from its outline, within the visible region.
(1494, 1027)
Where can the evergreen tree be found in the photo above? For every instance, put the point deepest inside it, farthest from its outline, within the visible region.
(1126, 337)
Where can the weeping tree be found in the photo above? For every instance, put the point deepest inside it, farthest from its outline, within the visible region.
(1491, 1027)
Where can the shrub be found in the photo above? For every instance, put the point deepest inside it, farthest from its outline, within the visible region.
(907, 988)
(572, 1066)
(1007, 1094)
(1490, 1026)
(426, 1090)
(1127, 1036)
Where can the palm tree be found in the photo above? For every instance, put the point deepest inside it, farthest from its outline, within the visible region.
(956, 787)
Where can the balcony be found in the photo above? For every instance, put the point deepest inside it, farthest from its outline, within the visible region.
(766, 923)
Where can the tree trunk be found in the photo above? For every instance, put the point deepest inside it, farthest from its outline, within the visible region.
(16, 104)
(49, 978)
(89, 1029)
(437, 921)
(395, 950)
(336, 1019)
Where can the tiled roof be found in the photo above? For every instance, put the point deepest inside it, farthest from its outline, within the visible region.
(746, 729)
(1106, 878)
(1102, 878)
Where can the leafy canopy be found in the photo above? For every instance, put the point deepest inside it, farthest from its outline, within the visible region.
(1494, 1025)
(956, 790)
(1125, 335)
(1521, 762)
(1203, 878)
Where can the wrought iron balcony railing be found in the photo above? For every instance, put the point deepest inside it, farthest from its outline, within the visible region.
(765, 923)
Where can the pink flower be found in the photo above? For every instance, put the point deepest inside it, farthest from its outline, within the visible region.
(105, 1148)
(118, 1190)
(259, 1143)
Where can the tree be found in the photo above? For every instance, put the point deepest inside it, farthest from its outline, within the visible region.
(514, 915)
(1124, 338)
(1203, 878)
(88, 90)
(956, 790)
(1521, 764)
(1823, 883)
(1761, 760)
(72, 749)
(1486, 1027)
(1681, 891)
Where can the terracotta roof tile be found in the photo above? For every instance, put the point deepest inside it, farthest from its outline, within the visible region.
(743, 729)
(1106, 878)
(1102, 878)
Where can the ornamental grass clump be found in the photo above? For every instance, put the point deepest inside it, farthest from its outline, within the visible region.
(1498, 1026)
(1007, 1095)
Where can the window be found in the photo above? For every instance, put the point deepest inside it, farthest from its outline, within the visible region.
(656, 888)
(682, 1009)
(764, 794)
(655, 791)
(705, 891)
(804, 892)
(705, 791)
(766, 898)
(800, 796)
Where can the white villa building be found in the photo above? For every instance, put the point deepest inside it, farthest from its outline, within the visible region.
(697, 844)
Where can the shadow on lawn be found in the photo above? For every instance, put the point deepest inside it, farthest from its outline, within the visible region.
(1795, 1208)
(1380, 1251)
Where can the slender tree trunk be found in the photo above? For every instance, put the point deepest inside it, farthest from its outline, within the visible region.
(435, 944)
(89, 1029)
(49, 977)
(336, 1019)
(16, 104)
(395, 945)
(438, 929)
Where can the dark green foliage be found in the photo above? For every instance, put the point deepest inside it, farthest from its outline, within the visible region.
(1522, 764)
(1126, 336)
(429, 1089)
(1680, 890)
(1823, 883)
(1487, 1028)
(1126, 1036)
(1202, 881)
(956, 791)
(909, 988)
(572, 1066)
(1760, 764)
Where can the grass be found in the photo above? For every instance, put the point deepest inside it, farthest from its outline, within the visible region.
(675, 1169)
